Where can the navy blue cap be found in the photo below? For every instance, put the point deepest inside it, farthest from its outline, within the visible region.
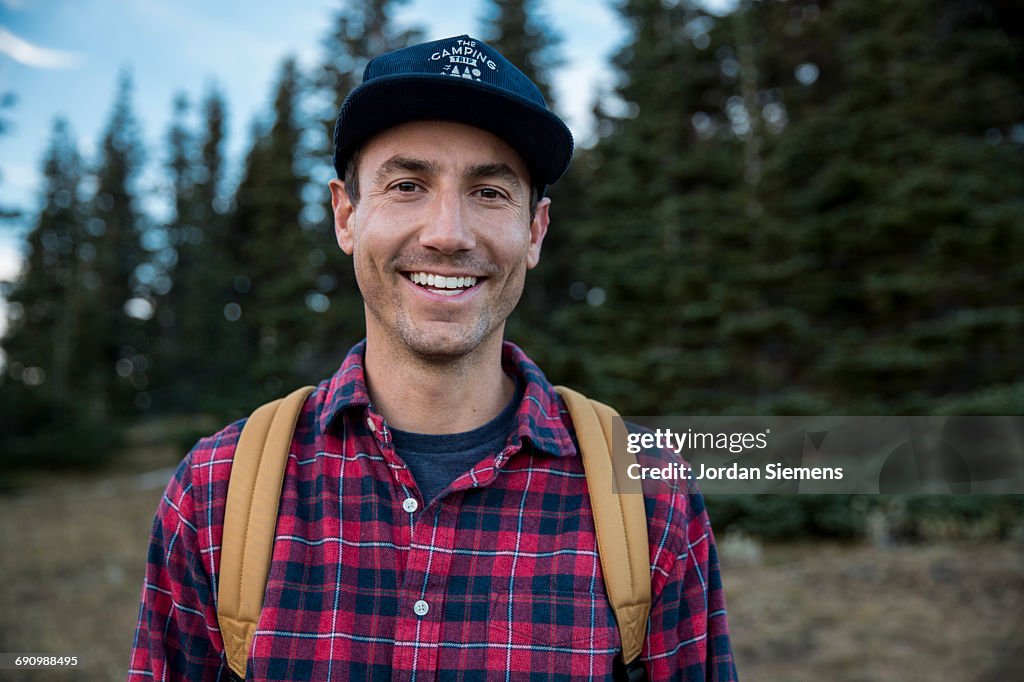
(457, 79)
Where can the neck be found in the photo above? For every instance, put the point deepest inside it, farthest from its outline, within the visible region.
(436, 395)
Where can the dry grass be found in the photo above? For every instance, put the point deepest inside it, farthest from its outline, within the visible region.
(74, 555)
(860, 614)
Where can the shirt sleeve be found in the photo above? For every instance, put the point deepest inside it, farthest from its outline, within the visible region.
(689, 635)
(177, 637)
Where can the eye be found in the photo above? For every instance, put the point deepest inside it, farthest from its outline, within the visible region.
(489, 193)
(406, 187)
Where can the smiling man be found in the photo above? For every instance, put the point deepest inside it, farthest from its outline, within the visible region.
(434, 517)
(441, 238)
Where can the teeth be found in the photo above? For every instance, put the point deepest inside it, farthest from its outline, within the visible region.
(445, 285)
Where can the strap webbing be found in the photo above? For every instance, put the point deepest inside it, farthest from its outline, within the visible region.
(620, 521)
(250, 518)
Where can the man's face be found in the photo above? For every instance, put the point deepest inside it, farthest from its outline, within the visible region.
(441, 236)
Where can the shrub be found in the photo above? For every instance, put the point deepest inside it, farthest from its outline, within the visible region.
(42, 432)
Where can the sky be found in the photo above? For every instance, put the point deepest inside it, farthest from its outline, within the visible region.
(62, 58)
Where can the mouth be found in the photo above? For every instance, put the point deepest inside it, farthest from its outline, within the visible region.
(444, 285)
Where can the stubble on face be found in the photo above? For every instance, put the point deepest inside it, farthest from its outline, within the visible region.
(442, 339)
(438, 334)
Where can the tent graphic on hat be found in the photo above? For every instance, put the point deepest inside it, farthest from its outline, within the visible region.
(467, 72)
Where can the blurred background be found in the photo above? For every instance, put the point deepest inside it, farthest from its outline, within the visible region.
(776, 207)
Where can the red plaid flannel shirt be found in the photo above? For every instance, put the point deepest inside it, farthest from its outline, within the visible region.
(497, 579)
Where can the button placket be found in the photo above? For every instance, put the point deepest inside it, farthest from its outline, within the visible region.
(428, 566)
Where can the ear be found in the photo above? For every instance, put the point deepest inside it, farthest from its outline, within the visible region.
(343, 211)
(538, 228)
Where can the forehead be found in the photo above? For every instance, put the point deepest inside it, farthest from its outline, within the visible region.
(446, 145)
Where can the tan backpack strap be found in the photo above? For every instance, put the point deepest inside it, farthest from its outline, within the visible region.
(250, 518)
(620, 521)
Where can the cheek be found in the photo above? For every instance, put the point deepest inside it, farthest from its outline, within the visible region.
(516, 251)
(369, 242)
(362, 258)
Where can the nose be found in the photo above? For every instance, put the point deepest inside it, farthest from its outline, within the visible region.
(444, 228)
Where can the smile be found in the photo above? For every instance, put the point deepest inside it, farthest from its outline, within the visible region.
(443, 284)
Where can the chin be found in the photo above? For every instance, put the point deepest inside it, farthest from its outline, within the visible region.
(434, 351)
(446, 346)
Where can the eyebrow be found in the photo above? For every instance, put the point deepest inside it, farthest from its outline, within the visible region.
(500, 171)
(404, 163)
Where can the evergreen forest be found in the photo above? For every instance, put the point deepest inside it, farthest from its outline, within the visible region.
(800, 207)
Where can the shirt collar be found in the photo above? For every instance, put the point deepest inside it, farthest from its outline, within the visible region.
(541, 418)
(347, 388)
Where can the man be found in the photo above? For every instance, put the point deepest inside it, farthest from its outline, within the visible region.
(434, 519)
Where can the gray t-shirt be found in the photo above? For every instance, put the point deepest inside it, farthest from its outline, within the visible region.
(436, 460)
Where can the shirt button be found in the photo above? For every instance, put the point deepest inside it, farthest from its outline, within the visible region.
(369, 422)
(421, 607)
(410, 504)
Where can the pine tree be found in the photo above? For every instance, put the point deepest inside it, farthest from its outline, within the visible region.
(45, 302)
(175, 316)
(198, 364)
(517, 30)
(663, 173)
(218, 281)
(361, 32)
(44, 406)
(115, 338)
(276, 254)
(182, 345)
(209, 206)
